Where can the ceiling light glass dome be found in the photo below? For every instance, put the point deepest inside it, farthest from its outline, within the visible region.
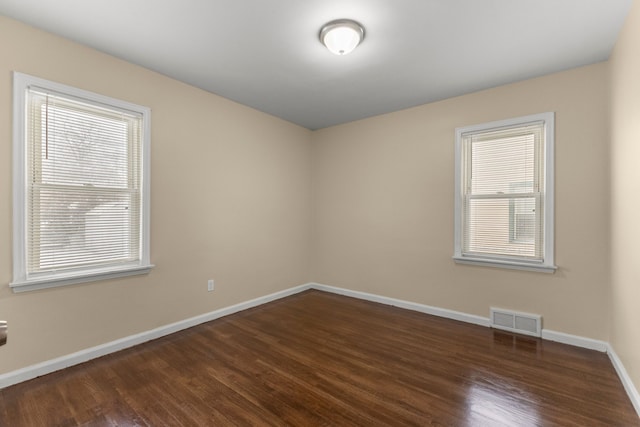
(341, 36)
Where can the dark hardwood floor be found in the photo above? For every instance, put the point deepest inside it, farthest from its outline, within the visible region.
(318, 359)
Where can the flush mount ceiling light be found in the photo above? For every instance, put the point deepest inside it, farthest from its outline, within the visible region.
(341, 36)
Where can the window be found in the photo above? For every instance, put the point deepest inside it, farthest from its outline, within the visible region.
(504, 193)
(81, 186)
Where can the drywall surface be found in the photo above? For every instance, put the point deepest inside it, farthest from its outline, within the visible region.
(229, 201)
(383, 205)
(625, 195)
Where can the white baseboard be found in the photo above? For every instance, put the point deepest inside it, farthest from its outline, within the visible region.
(49, 366)
(575, 340)
(560, 337)
(427, 309)
(547, 334)
(629, 387)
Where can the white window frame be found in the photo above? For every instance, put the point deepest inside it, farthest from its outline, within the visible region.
(21, 279)
(547, 264)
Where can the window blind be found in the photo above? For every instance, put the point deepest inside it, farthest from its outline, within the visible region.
(503, 192)
(84, 175)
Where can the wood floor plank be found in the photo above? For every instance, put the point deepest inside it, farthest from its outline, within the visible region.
(319, 359)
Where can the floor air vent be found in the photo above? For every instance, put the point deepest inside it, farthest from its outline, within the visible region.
(522, 323)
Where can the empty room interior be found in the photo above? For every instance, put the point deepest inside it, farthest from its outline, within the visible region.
(439, 227)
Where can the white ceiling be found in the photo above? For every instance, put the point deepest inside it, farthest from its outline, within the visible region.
(266, 53)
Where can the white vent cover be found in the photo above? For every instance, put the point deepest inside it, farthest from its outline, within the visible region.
(522, 323)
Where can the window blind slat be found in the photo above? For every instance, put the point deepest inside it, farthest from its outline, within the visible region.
(502, 192)
(84, 192)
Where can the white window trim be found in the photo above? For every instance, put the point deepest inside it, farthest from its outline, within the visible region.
(547, 265)
(21, 281)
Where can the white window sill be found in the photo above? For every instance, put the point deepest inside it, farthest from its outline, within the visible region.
(55, 280)
(514, 265)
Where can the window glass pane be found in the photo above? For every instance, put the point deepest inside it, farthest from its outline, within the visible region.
(491, 227)
(499, 163)
(522, 220)
(84, 198)
(81, 144)
(76, 227)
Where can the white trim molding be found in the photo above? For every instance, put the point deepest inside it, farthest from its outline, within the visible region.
(627, 383)
(545, 178)
(24, 279)
(408, 305)
(504, 264)
(52, 281)
(575, 340)
(49, 366)
(547, 334)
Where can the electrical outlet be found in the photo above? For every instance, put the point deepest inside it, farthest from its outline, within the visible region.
(210, 285)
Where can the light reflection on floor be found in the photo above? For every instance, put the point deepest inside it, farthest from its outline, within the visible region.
(496, 400)
(493, 401)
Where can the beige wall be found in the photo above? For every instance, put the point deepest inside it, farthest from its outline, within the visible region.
(230, 200)
(383, 204)
(625, 194)
(266, 205)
